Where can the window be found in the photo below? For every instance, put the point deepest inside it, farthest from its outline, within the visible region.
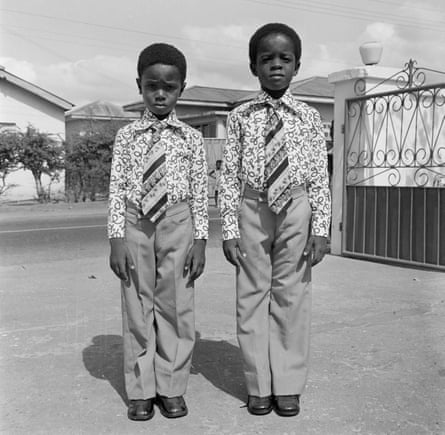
(208, 129)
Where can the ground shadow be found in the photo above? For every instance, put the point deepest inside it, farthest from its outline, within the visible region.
(221, 364)
(218, 361)
(104, 360)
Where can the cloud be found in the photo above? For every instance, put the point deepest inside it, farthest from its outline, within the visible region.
(379, 31)
(217, 56)
(21, 68)
(401, 43)
(105, 78)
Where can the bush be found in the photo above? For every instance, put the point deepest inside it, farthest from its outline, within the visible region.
(88, 162)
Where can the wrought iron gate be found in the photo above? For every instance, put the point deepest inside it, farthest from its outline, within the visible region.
(394, 202)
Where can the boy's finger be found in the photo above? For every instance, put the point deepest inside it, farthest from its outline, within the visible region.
(193, 271)
(187, 264)
(129, 261)
(234, 257)
(123, 269)
(308, 248)
(241, 249)
(196, 273)
(123, 274)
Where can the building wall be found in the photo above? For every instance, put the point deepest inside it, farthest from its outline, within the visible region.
(22, 108)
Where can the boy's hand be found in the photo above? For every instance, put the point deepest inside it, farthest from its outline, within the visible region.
(120, 260)
(195, 261)
(233, 251)
(316, 248)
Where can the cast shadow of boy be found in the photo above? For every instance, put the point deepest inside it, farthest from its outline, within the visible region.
(103, 359)
(220, 363)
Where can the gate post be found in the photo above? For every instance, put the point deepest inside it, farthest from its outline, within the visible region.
(348, 83)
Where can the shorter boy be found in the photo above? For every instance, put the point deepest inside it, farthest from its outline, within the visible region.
(158, 226)
(275, 208)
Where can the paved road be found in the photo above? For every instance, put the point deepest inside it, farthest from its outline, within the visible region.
(64, 233)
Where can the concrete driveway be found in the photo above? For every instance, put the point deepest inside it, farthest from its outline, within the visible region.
(378, 353)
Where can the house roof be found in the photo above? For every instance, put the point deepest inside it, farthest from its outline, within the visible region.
(34, 89)
(313, 86)
(202, 95)
(312, 89)
(99, 110)
(214, 95)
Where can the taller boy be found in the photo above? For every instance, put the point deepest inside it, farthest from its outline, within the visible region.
(275, 206)
(158, 226)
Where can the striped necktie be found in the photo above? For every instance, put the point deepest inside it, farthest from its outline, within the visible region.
(276, 168)
(154, 182)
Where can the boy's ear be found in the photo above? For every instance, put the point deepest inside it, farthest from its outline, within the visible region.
(297, 67)
(253, 69)
(138, 81)
(184, 84)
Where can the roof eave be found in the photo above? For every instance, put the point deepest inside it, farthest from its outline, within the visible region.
(315, 99)
(37, 91)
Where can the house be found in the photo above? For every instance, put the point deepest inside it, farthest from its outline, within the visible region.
(206, 108)
(91, 116)
(22, 104)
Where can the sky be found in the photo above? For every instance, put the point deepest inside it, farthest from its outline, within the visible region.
(86, 50)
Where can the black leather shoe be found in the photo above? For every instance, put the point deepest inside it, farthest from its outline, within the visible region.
(172, 407)
(287, 406)
(140, 410)
(259, 405)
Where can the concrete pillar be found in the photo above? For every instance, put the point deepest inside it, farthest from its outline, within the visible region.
(348, 84)
(220, 128)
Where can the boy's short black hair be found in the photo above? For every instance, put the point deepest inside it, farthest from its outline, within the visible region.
(162, 53)
(268, 29)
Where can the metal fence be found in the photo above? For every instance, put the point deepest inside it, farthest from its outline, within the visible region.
(394, 205)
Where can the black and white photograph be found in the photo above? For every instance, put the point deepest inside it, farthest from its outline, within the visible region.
(222, 217)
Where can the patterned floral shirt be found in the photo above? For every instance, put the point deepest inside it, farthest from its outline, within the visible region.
(186, 170)
(244, 157)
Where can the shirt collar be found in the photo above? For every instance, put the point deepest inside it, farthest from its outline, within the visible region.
(287, 99)
(148, 119)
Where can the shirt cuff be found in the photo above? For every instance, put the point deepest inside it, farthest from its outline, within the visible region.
(231, 233)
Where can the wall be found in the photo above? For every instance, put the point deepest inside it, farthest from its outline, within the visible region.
(22, 108)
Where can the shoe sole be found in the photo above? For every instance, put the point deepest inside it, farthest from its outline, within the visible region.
(142, 418)
(287, 413)
(172, 415)
(167, 414)
(259, 412)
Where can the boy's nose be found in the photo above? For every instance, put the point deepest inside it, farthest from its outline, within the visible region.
(160, 95)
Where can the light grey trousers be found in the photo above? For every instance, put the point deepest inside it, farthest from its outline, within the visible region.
(158, 305)
(274, 295)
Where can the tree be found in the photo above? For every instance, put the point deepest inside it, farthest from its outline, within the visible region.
(88, 162)
(9, 145)
(41, 154)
